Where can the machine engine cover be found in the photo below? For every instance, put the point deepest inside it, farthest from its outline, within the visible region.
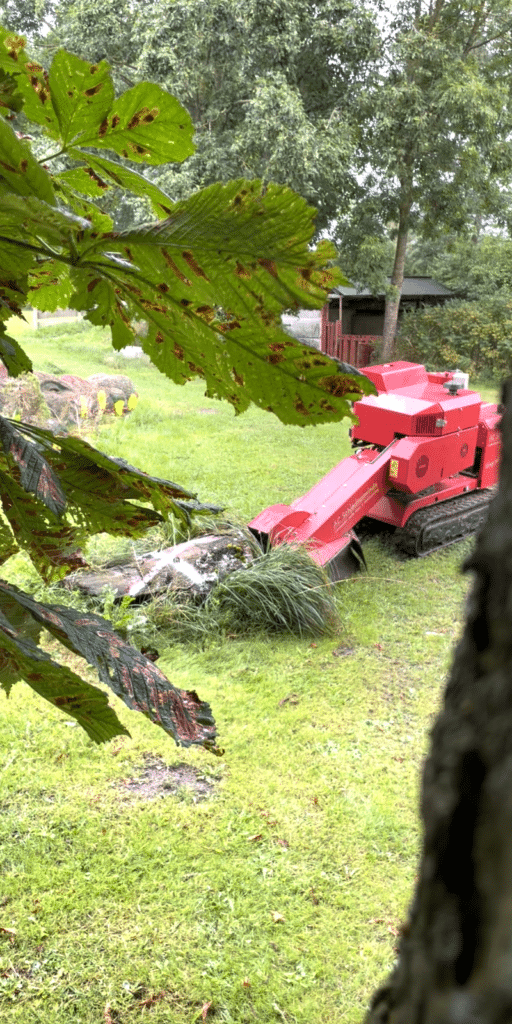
(418, 463)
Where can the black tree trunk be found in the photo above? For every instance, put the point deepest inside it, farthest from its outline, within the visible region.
(455, 957)
(392, 304)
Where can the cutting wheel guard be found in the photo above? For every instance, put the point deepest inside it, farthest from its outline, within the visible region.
(346, 562)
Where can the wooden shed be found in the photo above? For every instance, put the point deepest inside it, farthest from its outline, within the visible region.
(352, 322)
(350, 325)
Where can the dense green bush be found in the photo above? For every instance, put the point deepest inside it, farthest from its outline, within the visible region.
(474, 336)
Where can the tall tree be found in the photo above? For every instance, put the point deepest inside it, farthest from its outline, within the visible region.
(30, 16)
(268, 84)
(435, 145)
(271, 84)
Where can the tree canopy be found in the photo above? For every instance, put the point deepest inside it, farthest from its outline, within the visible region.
(434, 152)
(269, 89)
(476, 267)
(210, 277)
(268, 85)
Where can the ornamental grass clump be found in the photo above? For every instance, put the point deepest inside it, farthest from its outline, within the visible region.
(281, 591)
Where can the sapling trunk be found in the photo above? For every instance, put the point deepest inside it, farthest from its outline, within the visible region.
(395, 292)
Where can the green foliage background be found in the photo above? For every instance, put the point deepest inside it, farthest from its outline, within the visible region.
(474, 336)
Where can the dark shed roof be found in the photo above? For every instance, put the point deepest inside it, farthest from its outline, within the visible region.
(413, 287)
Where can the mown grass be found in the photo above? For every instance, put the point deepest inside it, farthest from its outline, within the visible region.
(279, 897)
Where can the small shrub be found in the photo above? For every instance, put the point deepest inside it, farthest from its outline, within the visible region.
(472, 336)
(282, 591)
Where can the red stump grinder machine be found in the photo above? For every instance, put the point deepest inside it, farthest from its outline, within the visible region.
(426, 459)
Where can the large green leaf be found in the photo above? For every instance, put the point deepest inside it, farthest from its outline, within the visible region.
(82, 95)
(30, 219)
(32, 86)
(19, 169)
(19, 618)
(145, 124)
(100, 174)
(31, 228)
(50, 286)
(35, 474)
(139, 683)
(13, 56)
(52, 544)
(57, 491)
(242, 242)
(57, 101)
(76, 104)
(21, 658)
(211, 281)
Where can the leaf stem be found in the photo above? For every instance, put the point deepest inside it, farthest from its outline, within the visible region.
(22, 245)
(53, 156)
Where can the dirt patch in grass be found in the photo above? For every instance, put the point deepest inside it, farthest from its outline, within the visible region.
(157, 779)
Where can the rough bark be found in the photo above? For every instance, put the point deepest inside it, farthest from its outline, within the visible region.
(455, 956)
(395, 293)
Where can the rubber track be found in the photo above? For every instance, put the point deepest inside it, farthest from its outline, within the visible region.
(444, 523)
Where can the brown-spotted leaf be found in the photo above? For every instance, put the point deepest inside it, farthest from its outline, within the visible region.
(116, 175)
(12, 50)
(135, 679)
(30, 79)
(82, 95)
(20, 170)
(145, 125)
(102, 495)
(21, 658)
(52, 544)
(35, 474)
(211, 281)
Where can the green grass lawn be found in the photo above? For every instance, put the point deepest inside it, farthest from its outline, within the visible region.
(279, 897)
